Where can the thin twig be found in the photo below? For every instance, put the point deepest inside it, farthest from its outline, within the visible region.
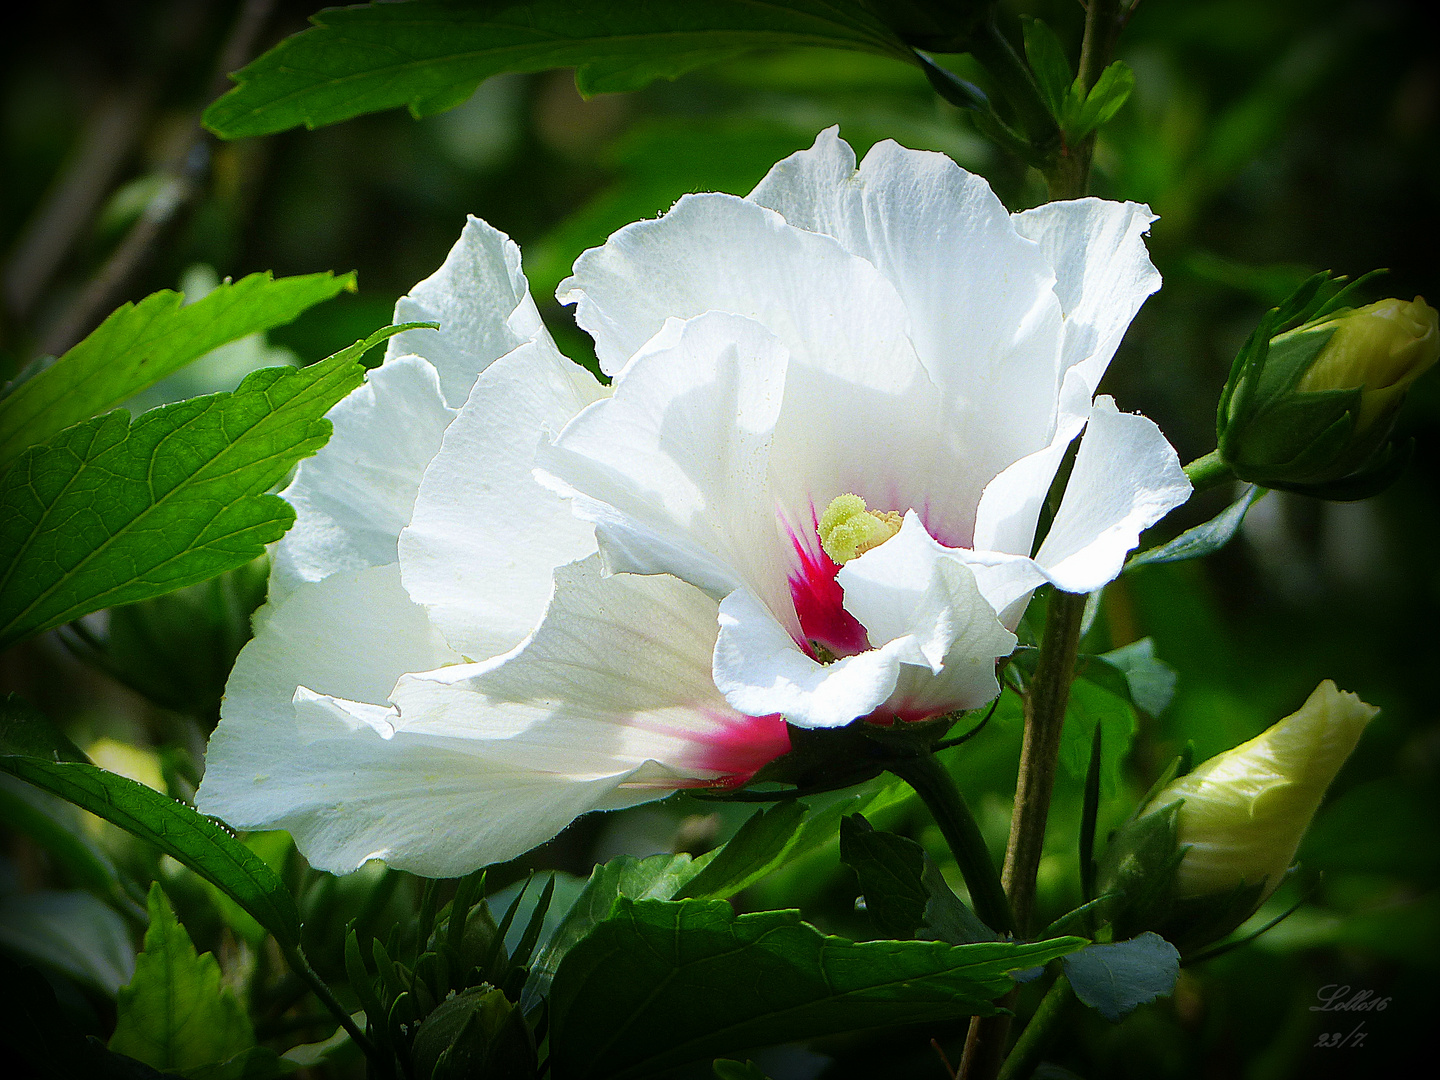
(105, 143)
(182, 181)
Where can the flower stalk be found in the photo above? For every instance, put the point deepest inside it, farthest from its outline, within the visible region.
(936, 788)
(1040, 751)
(1208, 471)
(1032, 1041)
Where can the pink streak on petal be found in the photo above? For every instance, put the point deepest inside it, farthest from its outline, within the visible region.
(741, 745)
(820, 603)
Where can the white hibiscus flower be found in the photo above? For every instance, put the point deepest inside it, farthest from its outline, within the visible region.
(811, 495)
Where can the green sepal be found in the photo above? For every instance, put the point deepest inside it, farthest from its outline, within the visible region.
(1139, 868)
(1379, 475)
(478, 1032)
(1196, 921)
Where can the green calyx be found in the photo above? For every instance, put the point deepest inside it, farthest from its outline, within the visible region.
(1311, 401)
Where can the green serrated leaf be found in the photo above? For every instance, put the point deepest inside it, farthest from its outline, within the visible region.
(1116, 978)
(110, 512)
(660, 984)
(1202, 539)
(889, 868)
(904, 891)
(429, 55)
(176, 829)
(174, 1014)
(140, 344)
(760, 845)
(1052, 71)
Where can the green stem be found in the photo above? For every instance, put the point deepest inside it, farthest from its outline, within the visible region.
(1067, 174)
(1045, 703)
(1040, 752)
(1208, 471)
(936, 788)
(300, 964)
(1031, 1043)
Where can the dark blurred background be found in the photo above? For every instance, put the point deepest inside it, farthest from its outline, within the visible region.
(1273, 140)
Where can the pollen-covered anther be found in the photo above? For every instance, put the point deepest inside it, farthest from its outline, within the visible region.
(848, 529)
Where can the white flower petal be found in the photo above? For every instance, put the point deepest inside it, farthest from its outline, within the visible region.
(618, 672)
(352, 498)
(1103, 273)
(427, 805)
(722, 253)
(672, 468)
(608, 704)
(352, 635)
(913, 586)
(759, 667)
(1010, 506)
(805, 187)
(480, 298)
(485, 537)
(983, 314)
(1126, 478)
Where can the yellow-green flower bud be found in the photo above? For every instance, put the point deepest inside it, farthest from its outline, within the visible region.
(1312, 398)
(1381, 349)
(1244, 811)
(1210, 847)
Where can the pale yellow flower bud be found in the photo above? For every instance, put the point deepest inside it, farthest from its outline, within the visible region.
(1381, 348)
(1245, 810)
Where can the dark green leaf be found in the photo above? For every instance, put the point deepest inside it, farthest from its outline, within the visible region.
(139, 344)
(175, 1014)
(174, 828)
(904, 891)
(54, 825)
(431, 55)
(1114, 979)
(178, 649)
(1047, 61)
(659, 877)
(256, 1063)
(41, 1039)
(1202, 539)
(889, 868)
(1149, 681)
(111, 512)
(1092, 705)
(659, 984)
(761, 845)
(71, 932)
